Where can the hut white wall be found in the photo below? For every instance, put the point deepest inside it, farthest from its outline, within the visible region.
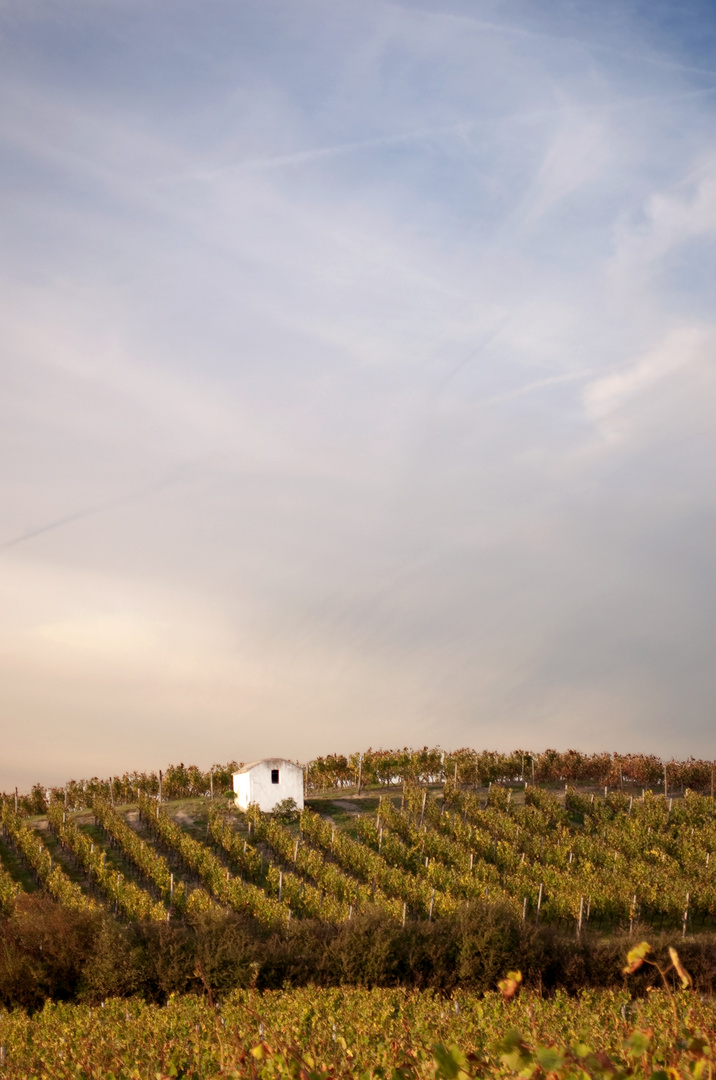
(255, 785)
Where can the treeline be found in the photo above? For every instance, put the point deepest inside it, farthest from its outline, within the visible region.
(386, 768)
(51, 953)
(177, 782)
(479, 768)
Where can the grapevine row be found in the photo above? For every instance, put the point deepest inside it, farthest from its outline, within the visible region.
(52, 878)
(243, 897)
(9, 891)
(133, 901)
(148, 863)
(302, 897)
(366, 864)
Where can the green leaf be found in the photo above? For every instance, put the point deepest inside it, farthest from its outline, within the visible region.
(550, 1058)
(637, 1043)
(513, 1052)
(636, 957)
(450, 1061)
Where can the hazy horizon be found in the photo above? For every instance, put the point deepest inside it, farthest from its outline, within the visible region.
(358, 379)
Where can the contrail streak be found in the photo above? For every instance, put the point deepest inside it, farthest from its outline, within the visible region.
(545, 35)
(461, 127)
(447, 379)
(173, 477)
(336, 150)
(57, 524)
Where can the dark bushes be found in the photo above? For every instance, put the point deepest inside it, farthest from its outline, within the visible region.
(48, 952)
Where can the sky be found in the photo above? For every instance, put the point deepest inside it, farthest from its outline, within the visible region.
(358, 375)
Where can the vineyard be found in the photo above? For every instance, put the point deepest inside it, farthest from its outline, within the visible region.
(368, 1034)
(603, 860)
(127, 893)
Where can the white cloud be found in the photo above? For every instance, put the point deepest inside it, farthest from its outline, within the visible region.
(611, 394)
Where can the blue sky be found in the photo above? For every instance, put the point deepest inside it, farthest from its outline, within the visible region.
(357, 379)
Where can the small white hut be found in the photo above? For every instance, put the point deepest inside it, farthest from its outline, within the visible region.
(268, 782)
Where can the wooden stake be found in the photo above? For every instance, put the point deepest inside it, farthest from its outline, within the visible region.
(579, 920)
(211, 783)
(295, 854)
(161, 781)
(524, 910)
(360, 771)
(422, 812)
(539, 902)
(280, 885)
(432, 901)
(15, 800)
(405, 912)
(666, 788)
